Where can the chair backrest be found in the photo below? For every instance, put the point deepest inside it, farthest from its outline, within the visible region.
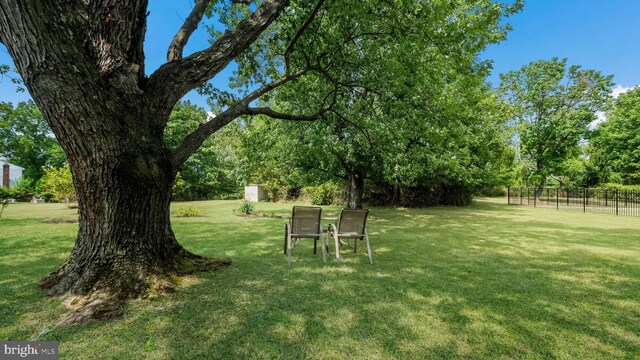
(352, 221)
(306, 220)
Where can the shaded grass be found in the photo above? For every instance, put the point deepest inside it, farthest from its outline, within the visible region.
(487, 281)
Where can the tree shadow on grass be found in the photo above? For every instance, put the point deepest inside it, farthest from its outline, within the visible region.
(497, 286)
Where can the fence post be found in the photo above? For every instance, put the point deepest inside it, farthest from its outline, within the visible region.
(567, 197)
(508, 195)
(535, 197)
(584, 200)
(521, 196)
(616, 201)
(557, 198)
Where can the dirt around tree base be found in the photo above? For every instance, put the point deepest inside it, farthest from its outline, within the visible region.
(108, 297)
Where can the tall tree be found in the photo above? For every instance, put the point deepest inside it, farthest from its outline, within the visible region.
(207, 173)
(83, 63)
(26, 139)
(553, 105)
(418, 101)
(614, 146)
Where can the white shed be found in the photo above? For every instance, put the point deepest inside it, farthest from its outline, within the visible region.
(255, 193)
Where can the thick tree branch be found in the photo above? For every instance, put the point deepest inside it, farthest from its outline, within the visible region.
(193, 141)
(268, 87)
(267, 111)
(116, 36)
(352, 84)
(355, 126)
(190, 25)
(173, 80)
(301, 30)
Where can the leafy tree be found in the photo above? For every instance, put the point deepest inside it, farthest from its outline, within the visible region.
(209, 172)
(390, 110)
(451, 144)
(26, 139)
(553, 105)
(83, 63)
(23, 189)
(59, 183)
(436, 129)
(615, 145)
(269, 157)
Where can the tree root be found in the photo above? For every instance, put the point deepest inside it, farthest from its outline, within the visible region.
(109, 292)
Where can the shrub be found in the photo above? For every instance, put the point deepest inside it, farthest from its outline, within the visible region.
(23, 190)
(614, 186)
(188, 212)
(59, 183)
(324, 194)
(47, 196)
(246, 207)
(418, 196)
(6, 193)
(230, 196)
(495, 191)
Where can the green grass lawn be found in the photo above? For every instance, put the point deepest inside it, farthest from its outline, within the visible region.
(487, 281)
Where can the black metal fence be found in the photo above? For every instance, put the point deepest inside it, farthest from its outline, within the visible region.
(605, 201)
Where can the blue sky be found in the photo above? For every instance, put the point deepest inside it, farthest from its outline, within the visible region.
(597, 34)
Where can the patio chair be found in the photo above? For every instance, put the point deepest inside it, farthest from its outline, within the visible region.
(351, 226)
(304, 223)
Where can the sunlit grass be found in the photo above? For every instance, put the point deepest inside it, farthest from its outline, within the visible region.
(488, 281)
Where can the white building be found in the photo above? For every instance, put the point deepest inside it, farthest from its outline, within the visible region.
(11, 172)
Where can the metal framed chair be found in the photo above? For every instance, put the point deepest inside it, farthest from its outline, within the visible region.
(351, 226)
(304, 223)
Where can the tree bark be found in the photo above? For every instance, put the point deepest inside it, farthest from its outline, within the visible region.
(125, 246)
(356, 187)
(540, 188)
(83, 64)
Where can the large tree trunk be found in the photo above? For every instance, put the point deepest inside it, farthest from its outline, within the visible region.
(356, 189)
(83, 64)
(540, 188)
(125, 246)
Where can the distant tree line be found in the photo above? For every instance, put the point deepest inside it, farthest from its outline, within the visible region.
(434, 138)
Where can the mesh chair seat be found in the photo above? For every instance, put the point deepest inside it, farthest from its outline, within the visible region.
(304, 223)
(351, 225)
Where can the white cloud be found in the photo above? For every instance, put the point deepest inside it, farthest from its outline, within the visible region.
(601, 117)
(615, 92)
(619, 89)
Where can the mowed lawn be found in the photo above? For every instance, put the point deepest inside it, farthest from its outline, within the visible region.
(487, 281)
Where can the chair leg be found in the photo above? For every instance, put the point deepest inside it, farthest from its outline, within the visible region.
(286, 234)
(355, 245)
(324, 250)
(335, 237)
(315, 245)
(289, 249)
(366, 237)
